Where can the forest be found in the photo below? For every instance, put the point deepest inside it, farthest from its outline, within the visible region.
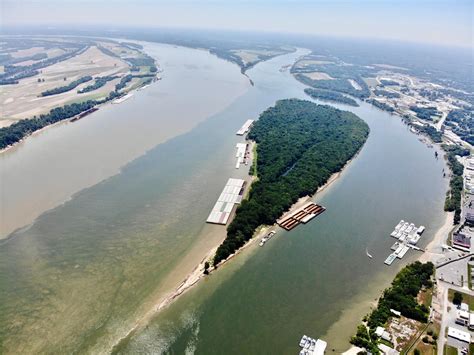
(381, 105)
(17, 131)
(425, 113)
(456, 183)
(72, 85)
(461, 121)
(341, 85)
(299, 146)
(389, 94)
(99, 82)
(330, 96)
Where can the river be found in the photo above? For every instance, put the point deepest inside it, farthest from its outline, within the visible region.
(48, 167)
(83, 274)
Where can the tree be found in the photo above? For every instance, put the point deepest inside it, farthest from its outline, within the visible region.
(417, 352)
(457, 298)
(206, 268)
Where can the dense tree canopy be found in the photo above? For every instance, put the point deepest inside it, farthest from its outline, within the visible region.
(299, 145)
(330, 96)
(17, 131)
(456, 183)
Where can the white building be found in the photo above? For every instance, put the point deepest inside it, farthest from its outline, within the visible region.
(459, 334)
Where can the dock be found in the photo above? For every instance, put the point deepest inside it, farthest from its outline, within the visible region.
(311, 346)
(231, 195)
(301, 215)
(242, 154)
(408, 236)
(390, 259)
(245, 128)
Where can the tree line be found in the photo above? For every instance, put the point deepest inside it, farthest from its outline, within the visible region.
(17, 131)
(299, 146)
(99, 82)
(72, 85)
(330, 96)
(456, 183)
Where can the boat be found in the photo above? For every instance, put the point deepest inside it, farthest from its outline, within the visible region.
(367, 252)
(303, 341)
(266, 238)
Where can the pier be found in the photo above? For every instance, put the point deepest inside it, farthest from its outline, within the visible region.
(231, 195)
(311, 346)
(245, 128)
(408, 236)
(301, 215)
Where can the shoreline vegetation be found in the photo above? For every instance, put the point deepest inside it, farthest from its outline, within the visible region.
(294, 140)
(142, 69)
(200, 271)
(401, 297)
(331, 96)
(15, 133)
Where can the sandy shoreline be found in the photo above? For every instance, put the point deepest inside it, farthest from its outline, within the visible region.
(197, 274)
(433, 250)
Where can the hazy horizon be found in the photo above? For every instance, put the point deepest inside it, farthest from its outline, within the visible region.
(437, 22)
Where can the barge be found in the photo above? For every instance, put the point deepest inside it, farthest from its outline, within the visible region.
(245, 128)
(85, 113)
(231, 195)
(301, 215)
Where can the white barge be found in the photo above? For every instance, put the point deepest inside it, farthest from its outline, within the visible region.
(241, 154)
(245, 128)
(231, 195)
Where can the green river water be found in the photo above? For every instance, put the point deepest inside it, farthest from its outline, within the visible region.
(80, 277)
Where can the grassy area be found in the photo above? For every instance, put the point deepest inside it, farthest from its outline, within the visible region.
(465, 298)
(426, 348)
(425, 296)
(450, 350)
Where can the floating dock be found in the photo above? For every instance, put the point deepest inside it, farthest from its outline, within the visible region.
(301, 215)
(245, 128)
(310, 346)
(408, 236)
(231, 195)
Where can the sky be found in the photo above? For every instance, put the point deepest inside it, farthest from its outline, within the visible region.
(432, 21)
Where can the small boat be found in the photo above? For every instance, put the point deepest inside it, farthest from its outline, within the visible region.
(367, 252)
(303, 341)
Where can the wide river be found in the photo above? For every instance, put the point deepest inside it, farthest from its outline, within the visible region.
(84, 273)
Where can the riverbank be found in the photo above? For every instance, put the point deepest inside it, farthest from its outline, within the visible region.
(433, 251)
(158, 116)
(197, 274)
(124, 96)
